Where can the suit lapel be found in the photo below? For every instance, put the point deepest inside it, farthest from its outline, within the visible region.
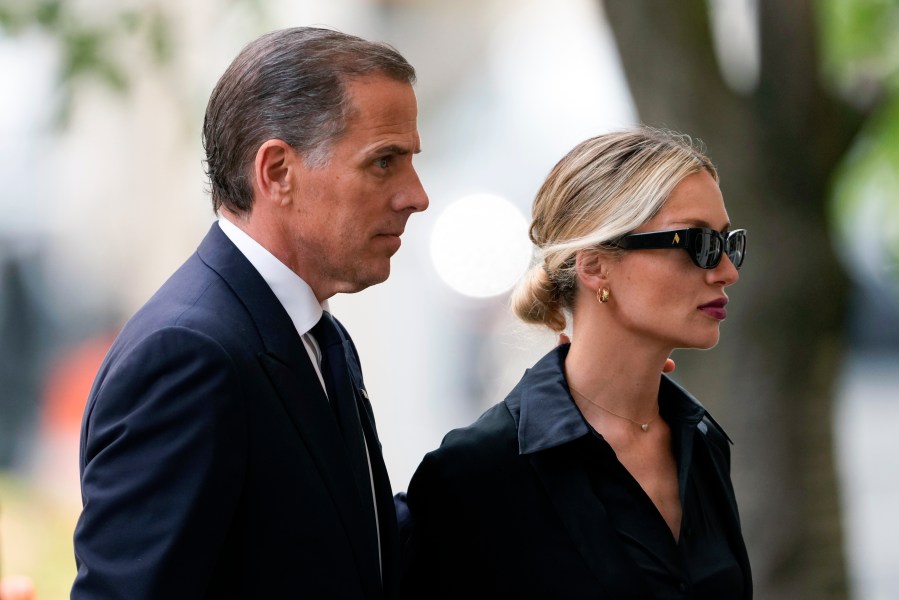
(384, 496)
(383, 492)
(291, 373)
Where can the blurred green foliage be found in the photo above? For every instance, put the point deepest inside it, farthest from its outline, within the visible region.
(860, 58)
(90, 42)
(859, 42)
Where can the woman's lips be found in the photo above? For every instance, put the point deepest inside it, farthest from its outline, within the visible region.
(715, 309)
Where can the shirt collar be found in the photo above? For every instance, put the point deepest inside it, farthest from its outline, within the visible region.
(292, 292)
(542, 406)
(547, 416)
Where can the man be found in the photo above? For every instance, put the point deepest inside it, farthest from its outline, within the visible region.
(218, 457)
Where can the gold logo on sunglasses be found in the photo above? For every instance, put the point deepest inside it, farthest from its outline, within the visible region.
(676, 239)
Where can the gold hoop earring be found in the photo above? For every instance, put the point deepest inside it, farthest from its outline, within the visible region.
(603, 294)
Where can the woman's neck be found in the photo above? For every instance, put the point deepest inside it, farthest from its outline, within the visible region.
(620, 375)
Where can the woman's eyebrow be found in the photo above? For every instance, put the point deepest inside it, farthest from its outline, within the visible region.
(700, 223)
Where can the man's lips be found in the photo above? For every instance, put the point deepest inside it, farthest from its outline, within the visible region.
(392, 237)
(715, 309)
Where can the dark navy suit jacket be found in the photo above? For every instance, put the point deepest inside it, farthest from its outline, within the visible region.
(212, 465)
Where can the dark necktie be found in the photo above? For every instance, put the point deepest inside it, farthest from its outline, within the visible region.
(343, 401)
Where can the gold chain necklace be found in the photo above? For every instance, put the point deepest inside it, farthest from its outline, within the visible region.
(643, 426)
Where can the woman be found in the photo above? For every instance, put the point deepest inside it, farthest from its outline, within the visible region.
(596, 477)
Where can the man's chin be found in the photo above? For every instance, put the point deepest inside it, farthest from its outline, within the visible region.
(362, 281)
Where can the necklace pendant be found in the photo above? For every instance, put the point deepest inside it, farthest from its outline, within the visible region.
(645, 427)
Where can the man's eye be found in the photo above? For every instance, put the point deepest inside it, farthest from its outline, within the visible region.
(383, 162)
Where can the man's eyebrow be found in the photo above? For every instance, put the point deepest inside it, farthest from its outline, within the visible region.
(394, 149)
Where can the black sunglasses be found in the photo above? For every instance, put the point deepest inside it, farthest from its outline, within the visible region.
(704, 245)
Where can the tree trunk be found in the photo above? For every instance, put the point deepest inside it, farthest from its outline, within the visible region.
(771, 380)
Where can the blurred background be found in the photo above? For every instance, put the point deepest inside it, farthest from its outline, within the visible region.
(103, 195)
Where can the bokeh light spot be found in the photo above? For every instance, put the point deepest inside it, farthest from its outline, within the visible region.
(480, 245)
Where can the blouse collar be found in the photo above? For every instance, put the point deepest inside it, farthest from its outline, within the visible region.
(547, 416)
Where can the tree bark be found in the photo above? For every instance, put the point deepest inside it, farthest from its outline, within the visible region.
(771, 380)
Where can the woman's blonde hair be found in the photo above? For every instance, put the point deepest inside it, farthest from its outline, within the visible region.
(604, 188)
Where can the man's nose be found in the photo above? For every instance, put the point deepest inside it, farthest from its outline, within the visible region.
(411, 195)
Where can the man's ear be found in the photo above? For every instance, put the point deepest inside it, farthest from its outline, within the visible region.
(273, 171)
(592, 267)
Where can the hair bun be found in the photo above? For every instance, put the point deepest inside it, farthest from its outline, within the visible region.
(536, 300)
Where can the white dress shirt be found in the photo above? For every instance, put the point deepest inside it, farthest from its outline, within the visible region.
(292, 292)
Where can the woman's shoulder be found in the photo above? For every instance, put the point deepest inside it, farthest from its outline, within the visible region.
(482, 447)
(494, 432)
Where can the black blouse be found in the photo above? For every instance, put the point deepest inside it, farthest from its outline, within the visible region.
(700, 564)
(530, 502)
